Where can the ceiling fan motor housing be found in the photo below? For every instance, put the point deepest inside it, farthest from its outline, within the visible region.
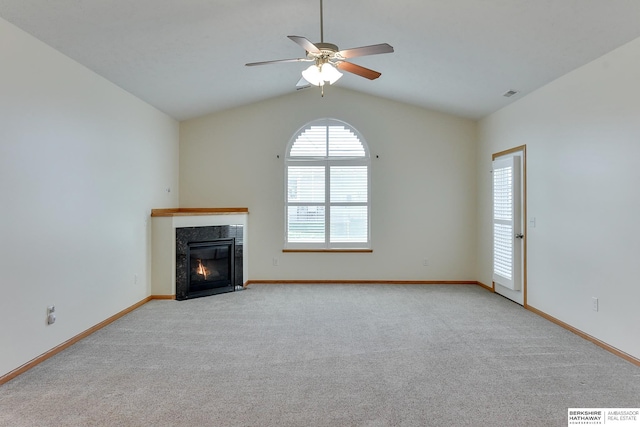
(328, 52)
(327, 47)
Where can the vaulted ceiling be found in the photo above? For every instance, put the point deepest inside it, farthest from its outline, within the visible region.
(186, 57)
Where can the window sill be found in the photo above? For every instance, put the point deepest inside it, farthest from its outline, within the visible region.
(330, 250)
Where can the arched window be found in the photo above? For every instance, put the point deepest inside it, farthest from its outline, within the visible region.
(327, 173)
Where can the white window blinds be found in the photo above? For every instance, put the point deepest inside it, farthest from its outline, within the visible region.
(312, 142)
(506, 186)
(306, 184)
(327, 180)
(344, 143)
(349, 184)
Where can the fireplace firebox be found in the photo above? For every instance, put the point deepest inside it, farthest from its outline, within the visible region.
(208, 260)
(211, 267)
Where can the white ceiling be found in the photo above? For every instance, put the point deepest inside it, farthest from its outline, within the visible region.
(186, 57)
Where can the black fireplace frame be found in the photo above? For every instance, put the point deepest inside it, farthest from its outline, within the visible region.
(195, 235)
(212, 287)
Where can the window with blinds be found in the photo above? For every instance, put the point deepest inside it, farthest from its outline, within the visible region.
(503, 221)
(327, 187)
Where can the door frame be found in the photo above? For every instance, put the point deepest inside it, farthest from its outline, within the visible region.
(520, 149)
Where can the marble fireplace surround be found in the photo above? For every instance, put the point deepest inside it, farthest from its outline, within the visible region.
(164, 223)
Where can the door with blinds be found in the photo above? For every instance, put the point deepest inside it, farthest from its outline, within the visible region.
(508, 231)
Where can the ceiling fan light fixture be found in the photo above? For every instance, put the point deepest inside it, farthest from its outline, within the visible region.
(317, 75)
(312, 75)
(331, 73)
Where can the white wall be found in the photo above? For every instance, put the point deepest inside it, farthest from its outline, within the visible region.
(81, 165)
(423, 184)
(582, 133)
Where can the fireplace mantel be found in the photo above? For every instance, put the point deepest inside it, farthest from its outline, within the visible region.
(163, 234)
(197, 211)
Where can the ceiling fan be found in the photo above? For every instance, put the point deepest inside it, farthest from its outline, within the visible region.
(327, 59)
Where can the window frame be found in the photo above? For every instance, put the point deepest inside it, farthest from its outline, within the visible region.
(327, 162)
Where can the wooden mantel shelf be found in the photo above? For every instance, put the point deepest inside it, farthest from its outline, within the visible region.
(198, 211)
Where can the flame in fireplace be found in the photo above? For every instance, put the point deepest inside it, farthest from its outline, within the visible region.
(201, 270)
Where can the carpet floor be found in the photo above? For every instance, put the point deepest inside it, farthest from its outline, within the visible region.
(324, 355)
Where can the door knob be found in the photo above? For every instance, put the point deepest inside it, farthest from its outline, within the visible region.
(519, 236)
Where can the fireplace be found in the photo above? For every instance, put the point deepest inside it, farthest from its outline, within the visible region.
(210, 267)
(208, 260)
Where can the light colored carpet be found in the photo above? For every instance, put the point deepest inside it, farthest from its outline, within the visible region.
(324, 355)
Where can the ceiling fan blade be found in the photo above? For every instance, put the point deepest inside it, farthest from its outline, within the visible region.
(357, 69)
(366, 50)
(302, 84)
(306, 44)
(251, 64)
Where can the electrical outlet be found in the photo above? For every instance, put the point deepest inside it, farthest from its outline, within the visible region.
(275, 262)
(425, 262)
(594, 303)
(51, 318)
